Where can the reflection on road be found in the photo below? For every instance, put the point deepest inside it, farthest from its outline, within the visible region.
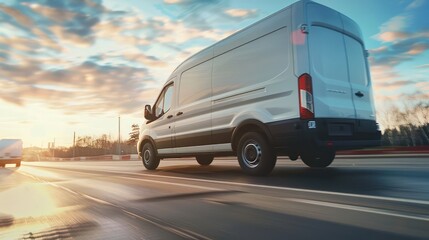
(182, 200)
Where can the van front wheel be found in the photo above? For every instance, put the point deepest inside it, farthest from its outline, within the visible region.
(319, 159)
(149, 158)
(255, 156)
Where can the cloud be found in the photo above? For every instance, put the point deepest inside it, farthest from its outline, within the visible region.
(241, 13)
(393, 85)
(201, 14)
(396, 23)
(415, 4)
(423, 86)
(424, 66)
(392, 36)
(400, 51)
(173, 1)
(192, 3)
(167, 31)
(402, 40)
(57, 15)
(131, 57)
(19, 17)
(80, 56)
(194, 13)
(83, 88)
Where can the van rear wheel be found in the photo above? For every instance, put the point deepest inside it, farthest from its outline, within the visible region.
(149, 157)
(204, 160)
(319, 159)
(255, 155)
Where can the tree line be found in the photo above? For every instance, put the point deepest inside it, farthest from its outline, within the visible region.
(96, 146)
(406, 126)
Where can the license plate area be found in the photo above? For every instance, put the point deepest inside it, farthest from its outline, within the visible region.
(340, 129)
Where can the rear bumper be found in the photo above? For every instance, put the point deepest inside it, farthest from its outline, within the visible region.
(296, 135)
(9, 161)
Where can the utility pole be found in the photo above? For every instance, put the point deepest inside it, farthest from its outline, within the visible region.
(119, 135)
(74, 144)
(53, 149)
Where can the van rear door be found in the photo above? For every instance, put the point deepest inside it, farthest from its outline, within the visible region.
(338, 66)
(359, 79)
(328, 68)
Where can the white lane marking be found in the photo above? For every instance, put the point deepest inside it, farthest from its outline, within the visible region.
(171, 183)
(138, 179)
(392, 199)
(356, 208)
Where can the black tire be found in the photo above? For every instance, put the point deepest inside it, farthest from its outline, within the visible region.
(149, 158)
(255, 155)
(204, 160)
(318, 159)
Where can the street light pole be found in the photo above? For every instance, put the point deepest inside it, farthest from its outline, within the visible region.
(74, 144)
(119, 135)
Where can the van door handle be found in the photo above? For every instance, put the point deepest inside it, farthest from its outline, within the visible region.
(359, 94)
(179, 113)
(169, 116)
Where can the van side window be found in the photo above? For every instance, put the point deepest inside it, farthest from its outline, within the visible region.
(158, 106)
(168, 98)
(164, 102)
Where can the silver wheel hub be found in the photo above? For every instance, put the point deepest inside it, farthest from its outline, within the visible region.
(252, 154)
(146, 156)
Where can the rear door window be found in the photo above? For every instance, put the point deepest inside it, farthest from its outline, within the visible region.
(356, 59)
(328, 54)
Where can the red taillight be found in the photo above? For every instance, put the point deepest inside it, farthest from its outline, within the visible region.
(306, 104)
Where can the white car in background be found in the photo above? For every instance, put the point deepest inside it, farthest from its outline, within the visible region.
(10, 152)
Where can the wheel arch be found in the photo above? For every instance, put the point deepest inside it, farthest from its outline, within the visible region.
(147, 139)
(250, 125)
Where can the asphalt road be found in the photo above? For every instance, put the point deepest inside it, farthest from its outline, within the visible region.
(355, 198)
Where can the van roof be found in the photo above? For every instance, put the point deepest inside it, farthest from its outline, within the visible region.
(237, 32)
(351, 25)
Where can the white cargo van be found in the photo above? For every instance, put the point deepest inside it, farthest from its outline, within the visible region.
(294, 84)
(10, 152)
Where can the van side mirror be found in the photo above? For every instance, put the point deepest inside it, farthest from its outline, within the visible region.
(148, 113)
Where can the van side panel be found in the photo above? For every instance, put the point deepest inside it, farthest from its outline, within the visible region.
(254, 80)
(250, 64)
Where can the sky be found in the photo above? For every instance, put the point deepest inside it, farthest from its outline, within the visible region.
(75, 66)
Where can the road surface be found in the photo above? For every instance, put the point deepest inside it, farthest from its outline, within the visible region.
(355, 198)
